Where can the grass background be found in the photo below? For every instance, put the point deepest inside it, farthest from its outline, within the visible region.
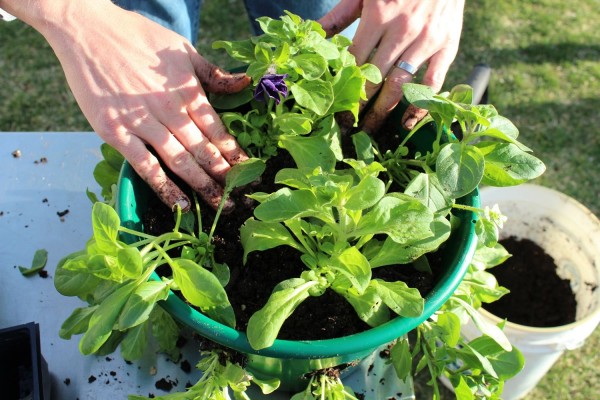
(545, 56)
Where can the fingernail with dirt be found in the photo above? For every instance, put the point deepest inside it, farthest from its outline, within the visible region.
(183, 203)
(412, 116)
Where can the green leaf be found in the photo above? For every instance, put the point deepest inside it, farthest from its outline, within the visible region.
(77, 322)
(286, 204)
(487, 232)
(202, 289)
(315, 41)
(140, 304)
(74, 283)
(134, 343)
(105, 175)
(507, 165)
(417, 94)
(112, 157)
(422, 96)
(404, 219)
(240, 50)
(267, 386)
(165, 331)
(309, 151)
(401, 299)
(364, 195)
(505, 363)
(316, 96)
(486, 257)
(484, 326)
(401, 358)
(450, 325)
(40, 257)
(503, 125)
(265, 324)
(111, 344)
(368, 306)
(461, 94)
(188, 222)
(347, 89)
(92, 196)
(104, 318)
(272, 27)
(479, 359)
(459, 168)
(354, 266)
(294, 124)
(310, 66)
(230, 101)
(104, 266)
(364, 147)
(462, 390)
(105, 225)
(294, 177)
(244, 173)
(258, 236)
(371, 73)
(427, 188)
(130, 262)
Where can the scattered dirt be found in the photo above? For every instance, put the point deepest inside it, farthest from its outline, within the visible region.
(166, 384)
(538, 296)
(186, 366)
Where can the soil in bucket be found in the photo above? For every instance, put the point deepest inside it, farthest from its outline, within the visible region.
(538, 296)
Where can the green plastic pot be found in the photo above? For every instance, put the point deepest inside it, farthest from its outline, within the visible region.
(290, 360)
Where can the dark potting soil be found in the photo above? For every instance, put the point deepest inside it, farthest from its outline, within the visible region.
(538, 296)
(323, 317)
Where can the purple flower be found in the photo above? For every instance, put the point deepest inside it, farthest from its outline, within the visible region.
(273, 86)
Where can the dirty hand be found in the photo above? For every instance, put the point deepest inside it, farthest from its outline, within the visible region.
(140, 85)
(399, 37)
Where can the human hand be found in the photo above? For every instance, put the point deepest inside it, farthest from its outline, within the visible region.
(416, 32)
(140, 85)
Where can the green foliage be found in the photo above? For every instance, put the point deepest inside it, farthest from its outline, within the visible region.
(112, 277)
(344, 219)
(220, 376)
(460, 165)
(477, 368)
(322, 77)
(40, 257)
(332, 220)
(325, 385)
(106, 174)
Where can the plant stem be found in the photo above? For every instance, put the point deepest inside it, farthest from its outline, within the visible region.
(424, 121)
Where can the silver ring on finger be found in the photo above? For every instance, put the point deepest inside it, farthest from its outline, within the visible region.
(403, 65)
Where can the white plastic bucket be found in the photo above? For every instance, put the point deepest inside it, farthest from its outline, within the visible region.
(570, 233)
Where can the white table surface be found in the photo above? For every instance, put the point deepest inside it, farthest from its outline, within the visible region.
(32, 192)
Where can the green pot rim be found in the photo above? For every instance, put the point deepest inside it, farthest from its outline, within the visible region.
(464, 242)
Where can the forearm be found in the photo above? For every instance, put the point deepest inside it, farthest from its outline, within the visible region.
(52, 16)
